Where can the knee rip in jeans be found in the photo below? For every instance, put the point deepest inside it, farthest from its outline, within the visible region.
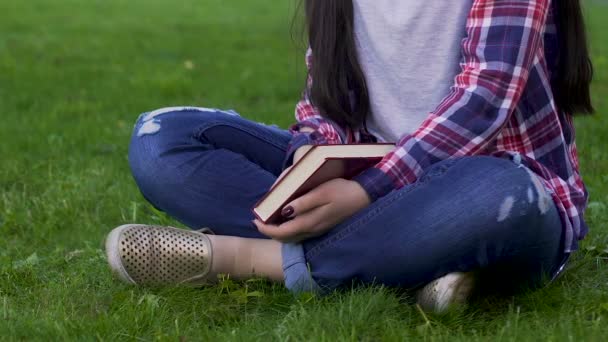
(149, 123)
(544, 200)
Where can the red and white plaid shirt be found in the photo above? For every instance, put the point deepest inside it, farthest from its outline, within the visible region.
(501, 104)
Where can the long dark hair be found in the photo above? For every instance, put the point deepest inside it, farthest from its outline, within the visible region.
(339, 88)
(575, 70)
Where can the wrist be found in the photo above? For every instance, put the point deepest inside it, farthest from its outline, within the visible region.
(375, 183)
(361, 194)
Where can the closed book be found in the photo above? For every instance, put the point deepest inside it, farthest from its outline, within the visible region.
(319, 165)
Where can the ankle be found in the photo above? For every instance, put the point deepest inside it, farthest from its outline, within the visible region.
(243, 258)
(266, 259)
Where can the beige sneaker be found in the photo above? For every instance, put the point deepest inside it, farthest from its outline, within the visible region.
(451, 289)
(152, 255)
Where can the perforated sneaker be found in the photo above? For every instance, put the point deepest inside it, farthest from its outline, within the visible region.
(152, 255)
(451, 289)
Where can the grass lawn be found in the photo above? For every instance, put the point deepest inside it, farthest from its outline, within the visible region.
(75, 74)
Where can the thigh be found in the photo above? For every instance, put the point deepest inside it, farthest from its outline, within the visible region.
(206, 167)
(463, 214)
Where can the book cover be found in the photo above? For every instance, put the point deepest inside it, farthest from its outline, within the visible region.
(319, 165)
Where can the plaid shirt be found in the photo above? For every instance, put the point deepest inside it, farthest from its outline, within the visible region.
(501, 104)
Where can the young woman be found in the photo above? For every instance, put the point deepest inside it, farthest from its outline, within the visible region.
(478, 96)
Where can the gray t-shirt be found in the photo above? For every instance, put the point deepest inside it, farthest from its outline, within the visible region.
(410, 53)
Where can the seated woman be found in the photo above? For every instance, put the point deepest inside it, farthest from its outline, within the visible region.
(478, 96)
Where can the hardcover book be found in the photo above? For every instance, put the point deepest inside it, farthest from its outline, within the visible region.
(319, 165)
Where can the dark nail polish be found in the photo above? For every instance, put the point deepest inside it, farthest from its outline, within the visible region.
(287, 212)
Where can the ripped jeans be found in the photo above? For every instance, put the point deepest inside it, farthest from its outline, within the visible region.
(207, 168)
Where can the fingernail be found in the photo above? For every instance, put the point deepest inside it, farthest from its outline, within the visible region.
(287, 211)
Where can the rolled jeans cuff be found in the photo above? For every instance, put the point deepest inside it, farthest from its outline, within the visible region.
(297, 275)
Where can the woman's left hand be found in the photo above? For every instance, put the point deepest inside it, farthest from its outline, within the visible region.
(319, 210)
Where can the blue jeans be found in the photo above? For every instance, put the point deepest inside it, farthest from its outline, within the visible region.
(207, 168)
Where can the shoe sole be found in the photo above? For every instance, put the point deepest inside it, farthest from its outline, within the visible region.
(113, 255)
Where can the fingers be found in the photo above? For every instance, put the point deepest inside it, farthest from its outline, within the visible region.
(312, 215)
(307, 202)
(266, 229)
(307, 223)
(292, 234)
(302, 227)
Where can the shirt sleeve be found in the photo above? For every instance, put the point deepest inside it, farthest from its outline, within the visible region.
(500, 47)
(325, 131)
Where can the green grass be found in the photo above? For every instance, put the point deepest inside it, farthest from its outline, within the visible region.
(74, 75)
